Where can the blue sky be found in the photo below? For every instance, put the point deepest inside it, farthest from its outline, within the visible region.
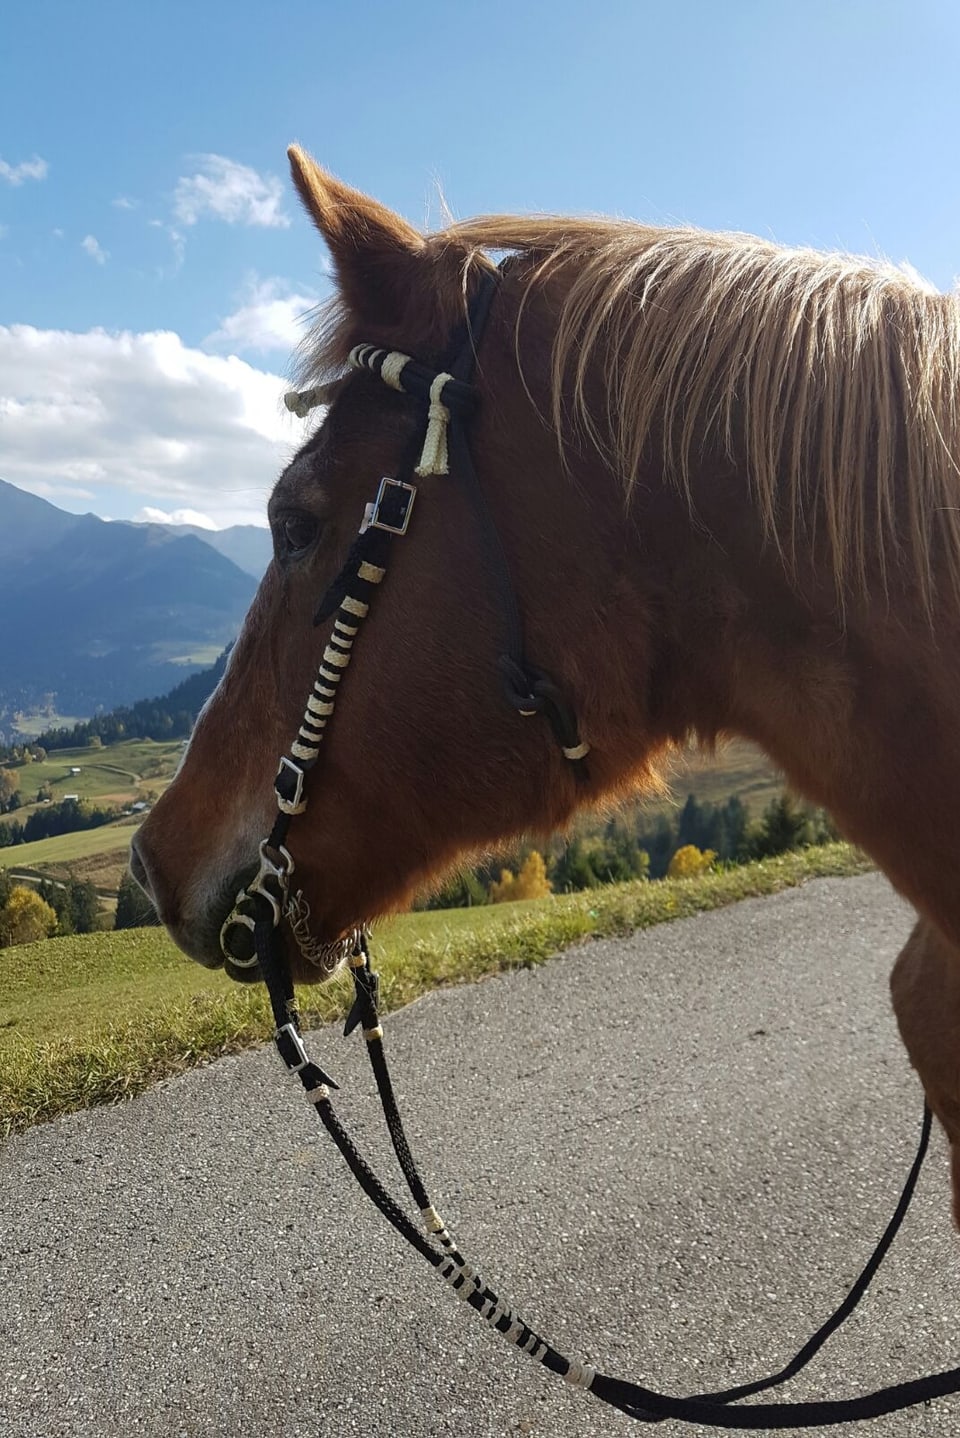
(153, 263)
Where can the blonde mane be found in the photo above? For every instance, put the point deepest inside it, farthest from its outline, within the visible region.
(832, 381)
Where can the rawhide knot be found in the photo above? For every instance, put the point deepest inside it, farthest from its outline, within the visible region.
(518, 686)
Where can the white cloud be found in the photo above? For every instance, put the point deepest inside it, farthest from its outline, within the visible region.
(35, 169)
(272, 318)
(151, 515)
(94, 249)
(122, 203)
(177, 241)
(229, 191)
(179, 245)
(140, 419)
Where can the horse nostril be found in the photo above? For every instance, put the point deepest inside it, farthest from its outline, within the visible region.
(139, 869)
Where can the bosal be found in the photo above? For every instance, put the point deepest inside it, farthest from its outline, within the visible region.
(249, 937)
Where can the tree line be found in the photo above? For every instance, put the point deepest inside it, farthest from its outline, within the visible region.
(171, 716)
(626, 846)
(632, 846)
(67, 817)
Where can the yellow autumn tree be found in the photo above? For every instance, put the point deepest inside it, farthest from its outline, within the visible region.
(501, 890)
(25, 917)
(689, 861)
(530, 883)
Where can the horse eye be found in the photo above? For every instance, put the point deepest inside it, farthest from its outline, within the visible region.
(298, 532)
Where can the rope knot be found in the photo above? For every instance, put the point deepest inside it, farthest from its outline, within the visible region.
(434, 458)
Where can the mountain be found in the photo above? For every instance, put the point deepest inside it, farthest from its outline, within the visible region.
(248, 546)
(97, 614)
(29, 525)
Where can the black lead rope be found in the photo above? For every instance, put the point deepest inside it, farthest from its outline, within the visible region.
(438, 1248)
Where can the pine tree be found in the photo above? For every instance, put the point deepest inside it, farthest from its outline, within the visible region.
(134, 909)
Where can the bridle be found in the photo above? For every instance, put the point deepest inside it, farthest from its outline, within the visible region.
(250, 935)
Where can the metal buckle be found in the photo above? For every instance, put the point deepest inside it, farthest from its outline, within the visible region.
(296, 804)
(287, 1038)
(402, 507)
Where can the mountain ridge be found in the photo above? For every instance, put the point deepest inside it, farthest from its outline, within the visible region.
(102, 613)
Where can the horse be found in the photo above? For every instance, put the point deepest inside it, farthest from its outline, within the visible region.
(724, 481)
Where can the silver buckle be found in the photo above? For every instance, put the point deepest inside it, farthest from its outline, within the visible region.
(287, 1033)
(294, 805)
(375, 522)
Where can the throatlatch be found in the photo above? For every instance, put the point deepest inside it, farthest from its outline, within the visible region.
(250, 936)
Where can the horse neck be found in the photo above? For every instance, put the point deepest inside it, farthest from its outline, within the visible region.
(856, 703)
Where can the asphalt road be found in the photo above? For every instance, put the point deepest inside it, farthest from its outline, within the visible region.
(672, 1152)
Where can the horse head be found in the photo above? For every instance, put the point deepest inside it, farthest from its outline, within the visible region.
(424, 760)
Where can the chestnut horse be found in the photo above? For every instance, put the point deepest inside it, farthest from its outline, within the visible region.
(725, 478)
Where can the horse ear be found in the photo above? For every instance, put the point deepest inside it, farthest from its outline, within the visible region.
(373, 249)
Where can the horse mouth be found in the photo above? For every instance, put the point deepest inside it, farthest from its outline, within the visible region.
(229, 942)
(311, 960)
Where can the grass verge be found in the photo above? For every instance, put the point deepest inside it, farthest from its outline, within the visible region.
(128, 1009)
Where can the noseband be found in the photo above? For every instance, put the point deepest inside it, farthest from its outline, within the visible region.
(250, 936)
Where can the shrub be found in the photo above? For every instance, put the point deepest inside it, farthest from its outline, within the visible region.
(689, 862)
(25, 918)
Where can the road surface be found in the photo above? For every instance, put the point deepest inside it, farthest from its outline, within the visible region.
(672, 1152)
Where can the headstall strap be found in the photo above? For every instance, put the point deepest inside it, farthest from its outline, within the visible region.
(261, 906)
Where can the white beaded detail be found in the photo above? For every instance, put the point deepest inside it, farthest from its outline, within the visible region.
(304, 751)
(318, 1094)
(432, 1220)
(350, 629)
(393, 367)
(355, 606)
(372, 573)
(580, 1375)
(319, 706)
(579, 751)
(335, 657)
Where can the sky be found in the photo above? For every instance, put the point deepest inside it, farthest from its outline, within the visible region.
(155, 269)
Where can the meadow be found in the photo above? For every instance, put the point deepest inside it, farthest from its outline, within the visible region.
(98, 1017)
(118, 775)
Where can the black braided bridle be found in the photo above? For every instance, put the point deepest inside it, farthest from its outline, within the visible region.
(250, 936)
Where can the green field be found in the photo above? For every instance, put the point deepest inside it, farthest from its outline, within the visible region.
(116, 775)
(64, 848)
(98, 1017)
(28, 726)
(100, 855)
